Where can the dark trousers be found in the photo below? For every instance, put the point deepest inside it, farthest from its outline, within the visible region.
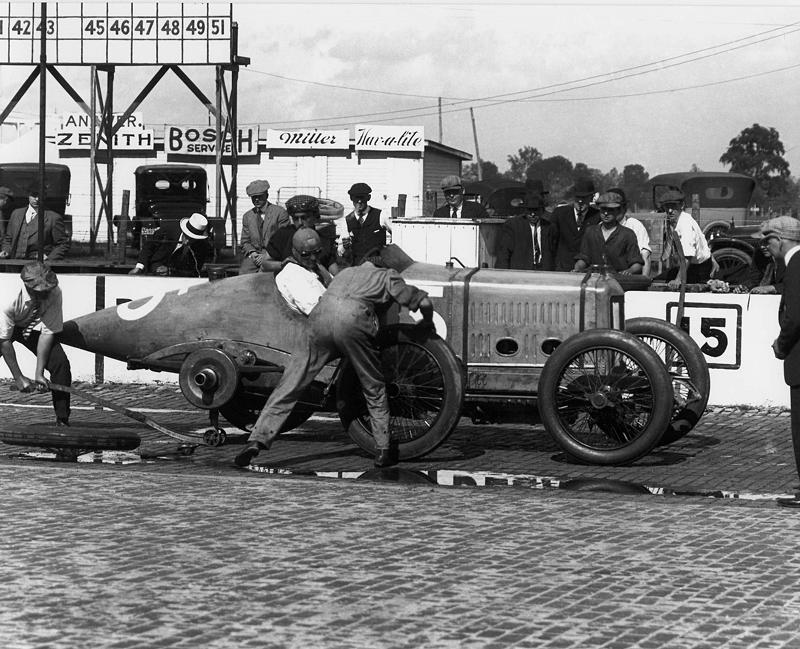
(339, 327)
(58, 367)
(794, 396)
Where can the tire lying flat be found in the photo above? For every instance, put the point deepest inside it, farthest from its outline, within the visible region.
(86, 438)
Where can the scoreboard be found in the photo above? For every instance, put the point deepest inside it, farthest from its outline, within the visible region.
(131, 33)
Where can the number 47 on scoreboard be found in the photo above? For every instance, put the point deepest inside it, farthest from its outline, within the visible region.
(716, 328)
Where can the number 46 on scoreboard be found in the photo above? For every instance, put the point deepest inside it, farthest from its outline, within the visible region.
(716, 328)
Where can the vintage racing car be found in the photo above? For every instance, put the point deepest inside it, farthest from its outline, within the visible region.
(513, 346)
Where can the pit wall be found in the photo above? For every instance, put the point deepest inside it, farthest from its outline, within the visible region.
(734, 331)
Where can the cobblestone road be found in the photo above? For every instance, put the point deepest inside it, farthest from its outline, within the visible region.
(190, 552)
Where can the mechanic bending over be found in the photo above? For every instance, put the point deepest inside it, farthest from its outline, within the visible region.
(343, 323)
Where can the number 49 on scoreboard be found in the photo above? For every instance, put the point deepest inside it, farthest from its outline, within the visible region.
(716, 328)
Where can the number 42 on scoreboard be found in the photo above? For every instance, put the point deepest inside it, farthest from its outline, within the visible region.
(716, 328)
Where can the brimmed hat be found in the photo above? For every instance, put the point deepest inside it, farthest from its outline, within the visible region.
(583, 187)
(610, 199)
(533, 201)
(38, 277)
(535, 186)
(671, 196)
(194, 226)
(5, 191)
(785, 227)
(302, 203)
(257, 187)
(451, 182)
(360, 189)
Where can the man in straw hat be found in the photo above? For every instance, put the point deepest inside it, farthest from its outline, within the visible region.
(33, 317)
(178, 252)
(782, 236)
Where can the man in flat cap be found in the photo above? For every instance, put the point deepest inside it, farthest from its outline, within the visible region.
(782, 237)
(366, 226)
(32, 316)
(5, 200)
(455, 206)
(21, 240)
(258, 226)
(683, 236)
(304, 211)
(570, 221)
(608, 243)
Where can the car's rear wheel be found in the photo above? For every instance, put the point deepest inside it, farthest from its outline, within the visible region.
(605, 397)
(686, 366)
(732, 262)
(424, 386)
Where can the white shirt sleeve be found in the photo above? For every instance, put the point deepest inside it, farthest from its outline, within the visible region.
(642, 237)
(299, 287)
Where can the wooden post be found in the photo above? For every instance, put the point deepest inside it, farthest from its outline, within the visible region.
(440, 119)
(477, 152)
(122, 228)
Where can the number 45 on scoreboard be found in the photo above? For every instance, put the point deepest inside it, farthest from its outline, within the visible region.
(716, 328)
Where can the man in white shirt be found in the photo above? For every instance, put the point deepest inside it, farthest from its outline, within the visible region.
(33, 316)
(701, 265)
(302, 280)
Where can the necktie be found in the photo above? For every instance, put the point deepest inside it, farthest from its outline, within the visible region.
(455, 212)
(35, 319)
(537, 250)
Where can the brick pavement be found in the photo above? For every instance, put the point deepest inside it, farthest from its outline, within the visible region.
(191, 552)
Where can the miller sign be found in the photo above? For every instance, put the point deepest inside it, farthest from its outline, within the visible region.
(307, 138)
(202, 140)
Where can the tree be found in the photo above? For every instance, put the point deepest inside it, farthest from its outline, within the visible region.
(520, 163)
(489, 169)
(635, 185)
(758, 152)
(556, 174)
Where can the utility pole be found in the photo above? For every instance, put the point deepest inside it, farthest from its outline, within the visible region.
(42, 123)
(477, 152)
(440, 119)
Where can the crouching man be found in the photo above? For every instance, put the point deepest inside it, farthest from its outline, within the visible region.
(33, 316)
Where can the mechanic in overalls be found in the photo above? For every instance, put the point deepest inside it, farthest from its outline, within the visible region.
(343, 323)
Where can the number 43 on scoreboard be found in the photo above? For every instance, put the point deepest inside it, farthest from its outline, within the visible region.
(716, 328)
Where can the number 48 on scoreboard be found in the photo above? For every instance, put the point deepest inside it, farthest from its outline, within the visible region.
(716, 328)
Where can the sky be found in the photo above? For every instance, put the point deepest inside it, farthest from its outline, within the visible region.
(661, 84)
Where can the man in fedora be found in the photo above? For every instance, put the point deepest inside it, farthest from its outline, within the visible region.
(21, 240)
(569, 223)
(782, 236)
(524, 242)
(455, 206)
(32, 315)
(180, 252)
(366, 226)
(258, 226)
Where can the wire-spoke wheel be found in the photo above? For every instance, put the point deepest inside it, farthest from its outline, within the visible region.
(605, 397)
(686, 367)
(424, 387)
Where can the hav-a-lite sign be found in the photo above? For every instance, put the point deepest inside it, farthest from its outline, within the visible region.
(202, 141)
(371, 137)
(130, 33)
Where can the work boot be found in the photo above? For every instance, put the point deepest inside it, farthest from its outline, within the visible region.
(250, 451)
(386, 457)
(62, 421)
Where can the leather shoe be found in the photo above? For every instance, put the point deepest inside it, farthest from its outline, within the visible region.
(250, 451)
(62, 421)
(793, 503)
(385, 457)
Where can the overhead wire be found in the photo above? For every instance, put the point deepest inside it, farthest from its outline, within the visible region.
(598, 79)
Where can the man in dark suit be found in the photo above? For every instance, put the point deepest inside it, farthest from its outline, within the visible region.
(176, 251)
(783, 242)
(366, 226)
(524, 242)
(569, 223)
(455, 206)
(21, 240)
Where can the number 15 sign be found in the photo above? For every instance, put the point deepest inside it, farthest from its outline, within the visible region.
(716, 328)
